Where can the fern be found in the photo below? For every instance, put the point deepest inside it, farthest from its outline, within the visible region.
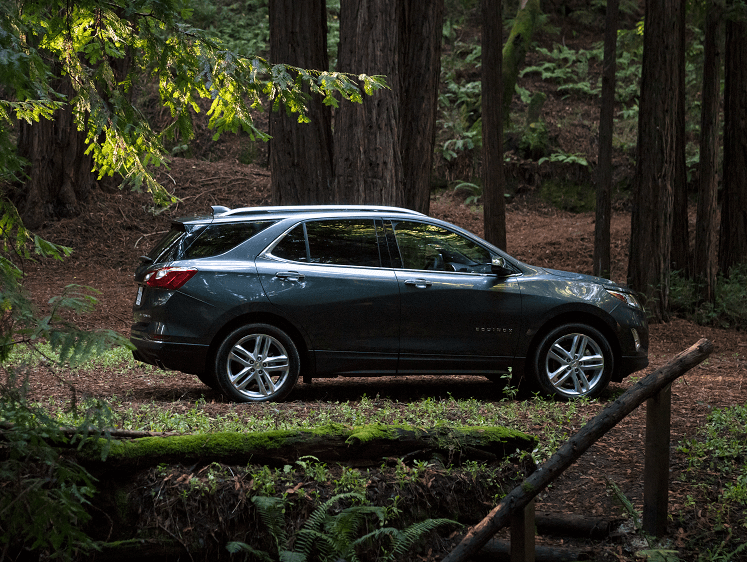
(333, 537)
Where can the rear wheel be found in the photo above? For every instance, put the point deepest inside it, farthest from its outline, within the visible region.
(257, 363)
(572, 361)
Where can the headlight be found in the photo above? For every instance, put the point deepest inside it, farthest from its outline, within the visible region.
(627, 298)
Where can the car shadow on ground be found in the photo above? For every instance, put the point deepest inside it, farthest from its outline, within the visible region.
(354, 389)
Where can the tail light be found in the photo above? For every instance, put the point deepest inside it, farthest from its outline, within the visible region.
(169, 277)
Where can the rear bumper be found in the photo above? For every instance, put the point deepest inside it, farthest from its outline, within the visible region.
(188, 358)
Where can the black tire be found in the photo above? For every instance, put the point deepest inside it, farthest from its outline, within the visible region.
(208, 379)
(257, 363)
(572, 361)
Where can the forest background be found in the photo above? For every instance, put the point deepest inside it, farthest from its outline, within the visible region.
(551, 158)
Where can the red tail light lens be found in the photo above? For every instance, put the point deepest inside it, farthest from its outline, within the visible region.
(169, 277)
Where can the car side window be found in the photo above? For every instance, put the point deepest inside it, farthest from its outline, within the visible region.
(293, 245)
(217, 239)
(429, 247)
(337, 242)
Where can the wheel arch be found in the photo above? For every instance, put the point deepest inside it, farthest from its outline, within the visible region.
(306, 357)
(577, 317)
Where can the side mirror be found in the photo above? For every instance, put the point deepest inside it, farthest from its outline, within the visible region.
(499, 267)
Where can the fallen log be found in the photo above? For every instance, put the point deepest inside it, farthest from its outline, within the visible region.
(569, 525)
(500, 551)
(360, 446)
(610, 416)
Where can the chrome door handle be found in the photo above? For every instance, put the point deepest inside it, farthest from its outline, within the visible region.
(290, 275)
(419, 283)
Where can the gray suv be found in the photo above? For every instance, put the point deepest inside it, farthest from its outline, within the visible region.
(250, 299)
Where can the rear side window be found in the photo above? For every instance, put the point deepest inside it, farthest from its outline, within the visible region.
(217, 239)
(171, 246)
(339, 242)
(183, 242)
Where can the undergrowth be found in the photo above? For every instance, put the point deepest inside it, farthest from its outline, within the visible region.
(730, 307)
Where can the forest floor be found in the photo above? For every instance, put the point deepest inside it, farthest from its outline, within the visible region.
(116, 228)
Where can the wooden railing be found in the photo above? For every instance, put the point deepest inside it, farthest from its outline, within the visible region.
(517, 507)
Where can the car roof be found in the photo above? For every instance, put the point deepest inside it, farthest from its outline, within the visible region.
(225, 214)
(220, 211)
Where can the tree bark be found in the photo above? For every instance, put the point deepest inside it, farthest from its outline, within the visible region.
(59, 173)
(384, 147)
(706, 225)
(576, 446)
(516, 48)
(656, 159)
(601, 259)
(421, 28)
(493, 184)
(733, 243)
(300, 153)
(368, 162)
(680, 258)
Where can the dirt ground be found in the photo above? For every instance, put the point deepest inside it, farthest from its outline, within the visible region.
(116, 228)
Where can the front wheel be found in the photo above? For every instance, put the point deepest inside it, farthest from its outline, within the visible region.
(572, 361)
(257, 363)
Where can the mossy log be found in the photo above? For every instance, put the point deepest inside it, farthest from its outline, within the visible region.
(358, 446)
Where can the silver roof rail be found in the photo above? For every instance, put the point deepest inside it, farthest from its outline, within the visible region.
(225, 211)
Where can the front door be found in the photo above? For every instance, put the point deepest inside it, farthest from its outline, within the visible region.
(457, 316)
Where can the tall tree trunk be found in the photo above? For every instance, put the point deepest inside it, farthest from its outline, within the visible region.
(516, 48)
(706, 226)
(421, 27)
(656, 161)
(492, 124)
(733, 244)
(300, 153)
(601, 265)
(680, 259)
(384, 147)
(367, 161)
(59, 175)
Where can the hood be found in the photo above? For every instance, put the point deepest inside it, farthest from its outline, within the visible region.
(583, 278)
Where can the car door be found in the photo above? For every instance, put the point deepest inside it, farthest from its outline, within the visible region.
(457, 316)
(326, 277)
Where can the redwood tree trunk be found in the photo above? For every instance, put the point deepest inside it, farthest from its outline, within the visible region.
(601, 265)
(59, 174)
(300, 153)
(367, 161)
(680, 259)
(384, 147)
(421, 27)
(493, 184)
(656, 162)
(733, 248)
(706, 226)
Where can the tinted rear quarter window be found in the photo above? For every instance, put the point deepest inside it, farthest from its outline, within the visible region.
(217, 239)
(185, 242)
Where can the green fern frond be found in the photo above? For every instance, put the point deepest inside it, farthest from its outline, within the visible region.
(235, 547)
(271, 512)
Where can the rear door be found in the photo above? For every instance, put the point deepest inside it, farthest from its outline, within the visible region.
(327, 277)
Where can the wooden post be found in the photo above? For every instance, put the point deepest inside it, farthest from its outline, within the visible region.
(522, 534)
(519, 497)
(656, 464)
